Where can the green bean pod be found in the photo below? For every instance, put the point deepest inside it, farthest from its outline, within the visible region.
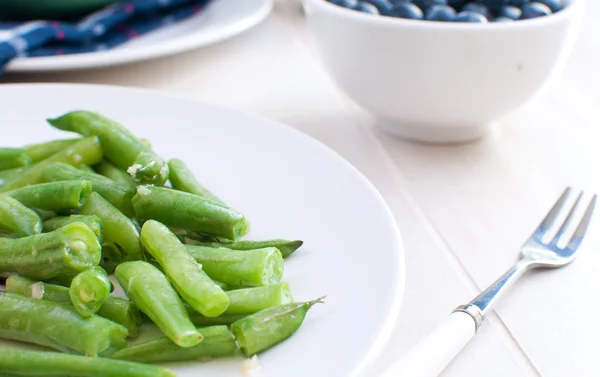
(224, 319)
(252, 300)
(217, 341)
(186, 275)
(11, 158)
(182, 179)
(42, 151)
(17, 362)
(73, 248)
(188, 211)
(17, 219)
(58, 326)
(117, 227)
(264, 329)
(285, 247)
(240, 268)
(118, 310)
(112, 172)
(150, 290)
(55, 196)
(118, 195)
(84, 152)
(120, 146)
(93, 222)
(7, 175)
(89, 290)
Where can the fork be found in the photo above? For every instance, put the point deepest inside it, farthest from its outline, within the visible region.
(431, 356)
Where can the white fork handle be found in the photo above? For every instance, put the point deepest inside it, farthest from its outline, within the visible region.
(431, 356)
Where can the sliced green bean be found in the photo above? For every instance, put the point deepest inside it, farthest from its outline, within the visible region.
(217, 341)
(11, 158)
(16, 362)
(188, 211)
(58, 326)
(240, 268)
(224, 319)
(150, 290)
(118, 310)
(7, 175)
(186, 275)
(183, 179)
(286, 247)
(112, 256)
(108, 170)
(94, 222)
(89, 290)
(72, 248)
(55, 196)
(84, 152)
(42, 151)
(120, 146)
(118, 195)
(252, 300)
(17, 219)
(117, 227)
(264, 329)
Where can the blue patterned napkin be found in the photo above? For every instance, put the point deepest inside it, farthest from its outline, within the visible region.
(102, 30)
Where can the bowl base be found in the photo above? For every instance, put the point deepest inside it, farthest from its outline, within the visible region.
(434, 135)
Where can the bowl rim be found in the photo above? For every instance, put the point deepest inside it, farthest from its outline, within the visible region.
(326, 6)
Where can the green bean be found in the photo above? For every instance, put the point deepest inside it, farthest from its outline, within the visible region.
(218, 341)
(55, 196)
(118, 310)
(268, 327)
(240, 268)
(220, 284)
(89, 290)
(183, 179)
(93, 222)
(286, 247)
(11, 158)
(112, 256)
(7, 175)
(58, 326)
(117, 194)
(17, 219)
(186, 275)
(120, 146)
(112, 172)
(42, 151)
(117, 227)
(252, 300)
(224, 319)
(188, 211)
(150, 290)
(84, 152)
(72, 248)
(16, 362)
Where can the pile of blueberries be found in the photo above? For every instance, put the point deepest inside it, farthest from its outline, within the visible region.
(481, 11)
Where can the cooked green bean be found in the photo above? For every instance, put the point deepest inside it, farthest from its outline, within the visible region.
(188, 211)
(268, 327)
(42, 151)
(252, 300)
(72, 248)
(118, 310)
(286, 247)
(117, 227)
(7, 175)
(118, 195)
(240, 268)
(89, 290)
(11, 158)
(16, 362)
(17, 219)
(150, 290)
(120, 146)
(58, 326)
(224, 319)
(112, 172)
(186, 275)
(183, 179)
(94, 222)
(84, 152)
(112, 256)
(55, 196)
(217, 341)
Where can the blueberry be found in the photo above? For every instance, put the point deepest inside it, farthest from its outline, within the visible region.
(502, 19)
(366, 8)
(337, 2)
(383, 6)
(533, 10)
(493, 4)
(469, 16)
(350, 4)
(396, 2)
(509, 11)
(554, 5)
(440, 13)
(408, 10)
(518, 3)
(457, 4)
(477, 8)
(425, 4)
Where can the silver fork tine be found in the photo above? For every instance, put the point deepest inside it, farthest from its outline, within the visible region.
(553, 213)
(583, 225)
(567, 223)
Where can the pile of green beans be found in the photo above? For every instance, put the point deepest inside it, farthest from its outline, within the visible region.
(76, 210)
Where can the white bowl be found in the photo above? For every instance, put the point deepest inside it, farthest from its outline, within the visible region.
(440, 81)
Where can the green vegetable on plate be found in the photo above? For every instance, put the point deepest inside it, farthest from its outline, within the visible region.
(182, 179)
(11, 158)
(55, 196)
(17, 219)
(89, 290)
(285, 247)
(92, 221)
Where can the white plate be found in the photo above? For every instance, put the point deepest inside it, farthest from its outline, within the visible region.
(220, 20)
(289, 186)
